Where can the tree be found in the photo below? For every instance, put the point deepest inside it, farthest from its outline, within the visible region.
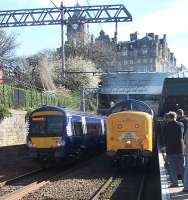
(103, 55)
(75, 79)
(46, 75)
(7, 48)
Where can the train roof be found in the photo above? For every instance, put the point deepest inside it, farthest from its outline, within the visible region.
(131, 105)
(64, 110)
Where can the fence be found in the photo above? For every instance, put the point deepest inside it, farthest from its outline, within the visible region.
(16, 97)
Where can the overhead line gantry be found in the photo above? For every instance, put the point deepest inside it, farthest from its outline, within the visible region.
(63, 16)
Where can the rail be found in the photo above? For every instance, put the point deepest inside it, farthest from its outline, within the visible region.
(10, 181)
(40, 182)
(118, 186)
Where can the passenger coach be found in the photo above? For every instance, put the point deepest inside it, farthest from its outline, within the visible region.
(57, 134)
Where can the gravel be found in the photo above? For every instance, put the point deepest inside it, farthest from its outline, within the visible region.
(79, 185)
(24, 181)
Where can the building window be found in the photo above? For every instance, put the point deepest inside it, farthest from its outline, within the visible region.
(131, 62)
(138, 61)
(144, 51)
(124, 53)
(145, 68)
(145, 60)
(125, 62)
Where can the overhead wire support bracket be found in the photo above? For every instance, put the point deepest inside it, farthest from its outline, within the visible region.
(52, 16)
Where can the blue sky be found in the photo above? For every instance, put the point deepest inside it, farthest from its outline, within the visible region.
(161, 17)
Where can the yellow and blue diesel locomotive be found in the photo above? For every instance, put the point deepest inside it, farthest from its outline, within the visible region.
(56, 134)
(130, 136)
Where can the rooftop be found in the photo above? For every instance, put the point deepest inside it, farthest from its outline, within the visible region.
(133, 83)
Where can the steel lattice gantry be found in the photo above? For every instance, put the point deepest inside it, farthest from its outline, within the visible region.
(53, 16)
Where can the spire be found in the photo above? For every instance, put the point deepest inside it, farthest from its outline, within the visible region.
(77, 3)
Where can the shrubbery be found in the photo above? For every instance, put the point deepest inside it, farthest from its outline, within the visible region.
(4, 112)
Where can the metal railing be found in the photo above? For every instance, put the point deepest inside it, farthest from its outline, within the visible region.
(14, 97)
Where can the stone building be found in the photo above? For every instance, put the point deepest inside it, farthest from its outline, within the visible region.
(148, 54)
(77, 32)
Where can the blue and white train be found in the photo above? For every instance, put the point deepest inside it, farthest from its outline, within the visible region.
(57, 134)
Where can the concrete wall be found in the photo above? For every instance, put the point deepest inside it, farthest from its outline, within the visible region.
(13, 130)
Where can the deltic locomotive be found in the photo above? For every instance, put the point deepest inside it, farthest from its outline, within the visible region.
(130, 135)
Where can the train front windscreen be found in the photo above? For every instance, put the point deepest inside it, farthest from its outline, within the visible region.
(47, 126)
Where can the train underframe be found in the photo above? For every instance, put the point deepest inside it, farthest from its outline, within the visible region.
(131, 158)
(46, 155)
(62, 155)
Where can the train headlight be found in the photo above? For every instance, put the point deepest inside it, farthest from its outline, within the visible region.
(33, 145)
(30, 144)
(60, 143)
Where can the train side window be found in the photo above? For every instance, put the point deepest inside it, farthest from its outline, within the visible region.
(78, 130)
(94, 129)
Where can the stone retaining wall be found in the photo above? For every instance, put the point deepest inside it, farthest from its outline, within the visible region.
(9, 154)
(13, 130)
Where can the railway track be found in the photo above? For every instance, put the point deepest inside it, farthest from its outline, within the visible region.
(122, 187)
(9, 181)
(17, 188)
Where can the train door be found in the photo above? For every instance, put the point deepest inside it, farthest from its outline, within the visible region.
(77, 132)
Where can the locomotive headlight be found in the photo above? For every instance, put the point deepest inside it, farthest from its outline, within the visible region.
(128, 142)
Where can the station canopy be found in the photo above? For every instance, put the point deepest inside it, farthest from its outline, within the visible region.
(133, 83)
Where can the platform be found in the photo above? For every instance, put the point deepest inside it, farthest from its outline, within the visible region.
(167, 192)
